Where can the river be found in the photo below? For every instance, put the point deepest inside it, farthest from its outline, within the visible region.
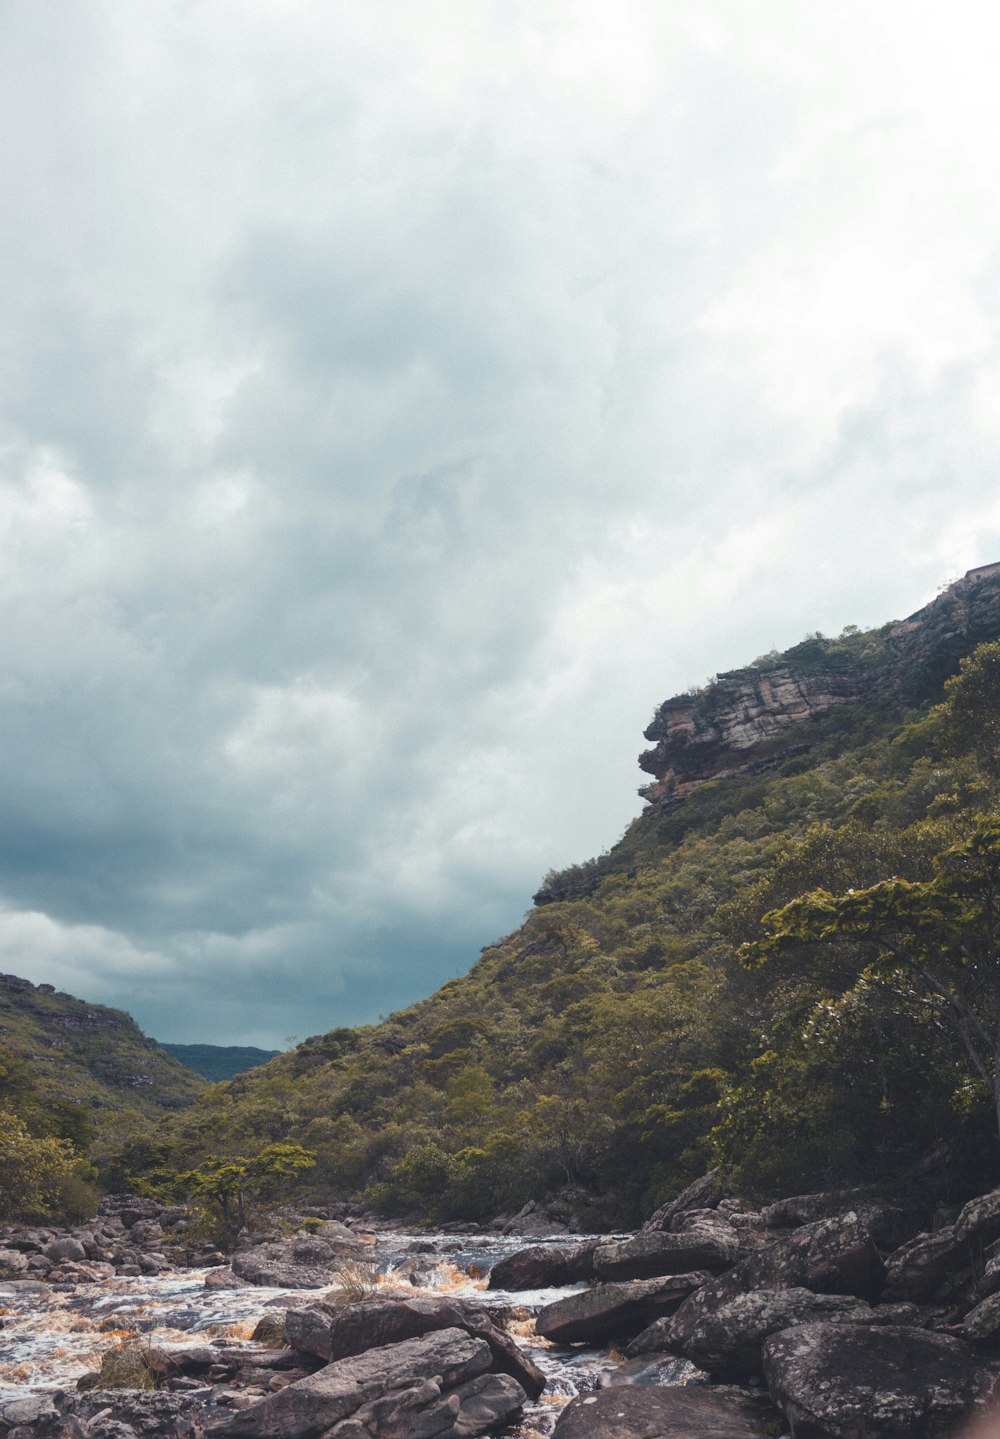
(52, 1334)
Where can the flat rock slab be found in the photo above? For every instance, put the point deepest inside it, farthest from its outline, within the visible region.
(376, 1322)
(684, 1412)
(424, 1368)
(655, 1253)
(845, 1381)
(615, 1311)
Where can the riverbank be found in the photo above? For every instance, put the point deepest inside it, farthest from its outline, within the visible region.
(831, 1315)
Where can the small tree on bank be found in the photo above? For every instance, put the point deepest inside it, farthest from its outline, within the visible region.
(235, 1184)
(939, 938)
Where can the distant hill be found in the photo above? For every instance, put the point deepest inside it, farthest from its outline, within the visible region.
(220, 1061)
(68, 1051)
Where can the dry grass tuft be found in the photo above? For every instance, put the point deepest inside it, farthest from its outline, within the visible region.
(356, 1280)
(126, 1366)
(270, 1331)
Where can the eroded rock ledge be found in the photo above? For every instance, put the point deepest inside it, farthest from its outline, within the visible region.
(754, 719)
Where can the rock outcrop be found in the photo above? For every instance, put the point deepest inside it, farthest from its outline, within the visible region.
(754, 719)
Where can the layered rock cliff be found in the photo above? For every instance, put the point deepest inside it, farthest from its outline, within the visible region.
(756, 718)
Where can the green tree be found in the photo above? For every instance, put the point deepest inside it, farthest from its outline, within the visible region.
(939, 939)
(233, 1184)
(971, 711)
(32, 1171)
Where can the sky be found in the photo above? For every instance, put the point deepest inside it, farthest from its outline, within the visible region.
(398, 402)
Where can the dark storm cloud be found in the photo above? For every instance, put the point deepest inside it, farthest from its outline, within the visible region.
(393, 410)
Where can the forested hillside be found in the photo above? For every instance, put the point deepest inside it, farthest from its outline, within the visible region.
(625, 1035)
(75, 1079)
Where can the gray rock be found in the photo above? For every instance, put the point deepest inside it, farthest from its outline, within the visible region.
(422, 1412)
(842, 1381)
(65, 1248)
(12, 1263)
(980, 1219)
(150, 1413)
(651, 1412)
(982, 1324)
(615, 1311)
(312, 1406)
(36, 1407)
(726, 1342)
(222, 1278)
(377, 1322)
(302, 1262)
(929, 1267)
(650, 1254)
(542, 1265)
(704, 1193)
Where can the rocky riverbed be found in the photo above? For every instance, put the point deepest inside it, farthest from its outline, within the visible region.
(828, 1316)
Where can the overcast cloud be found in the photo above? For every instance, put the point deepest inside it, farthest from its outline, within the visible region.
(398, 402)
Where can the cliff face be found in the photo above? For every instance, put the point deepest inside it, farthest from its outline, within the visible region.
(756, 718)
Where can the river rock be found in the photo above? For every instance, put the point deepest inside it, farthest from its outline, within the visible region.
(12, 1263)
(704, 1193)
(726, 1342)
(539, 1220)
(65, 1248)
(424, 1368)
(841, 1381)
(151, 1413)
(377, 1322)
(298, 1263)
(543, 1265)
(982, 1324)
(35, 1407)
(830, 1256)
(615, 1311)
(930, 1267)
(649, 1254)
(980, 1219)
(653, 1412)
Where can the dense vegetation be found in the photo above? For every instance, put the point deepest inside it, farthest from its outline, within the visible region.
(219, 1061)
(74, 1079)
(623, 1038)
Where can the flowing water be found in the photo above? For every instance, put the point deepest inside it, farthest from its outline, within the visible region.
(52, 1334)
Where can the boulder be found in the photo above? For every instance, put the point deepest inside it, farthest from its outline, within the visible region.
(726, 1342)
(421, 1411)
(377, 1322)
(12, 1263)
(538, 1220)
(298, 1263)
(424, 1369)
(543, 1265)
(704, 1193)
(841, 1381)
(150, 1413)
(615, 1311)
(65, 1248)
(930, 1267)
(653, 1253)
(982, 1324)
(800, 1209)
(654, 1412)
(222, 1278)
(830, 1256)
(34, 1407)
(979, 1220)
